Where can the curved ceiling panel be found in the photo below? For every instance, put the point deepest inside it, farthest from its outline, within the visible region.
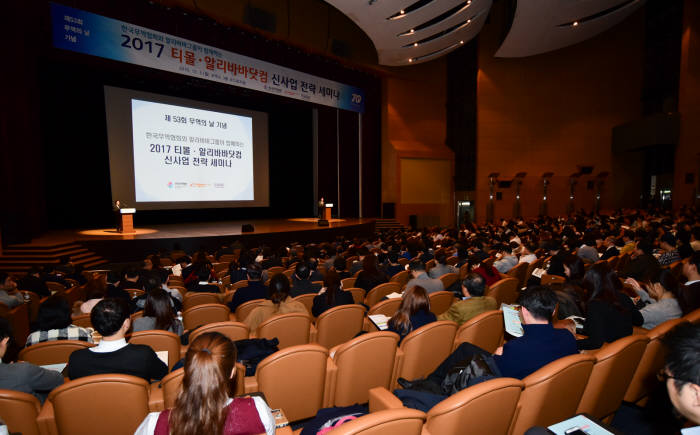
(413, 31)
(540, 26)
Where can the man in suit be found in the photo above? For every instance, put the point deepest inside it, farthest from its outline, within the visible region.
(110, 317)
(420, 278)
(683, 372)
(441, 267)
(301, 284)
(689, 297)
(610, 248)
(474, 302)
(256, 289)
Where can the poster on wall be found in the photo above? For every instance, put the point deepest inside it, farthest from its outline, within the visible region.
(88, 33)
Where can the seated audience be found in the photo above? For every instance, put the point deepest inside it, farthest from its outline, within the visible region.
(339, 265)
(527, 253)
(505, 260)
(255, 290)
(113, 354)
(54, 322)
(9, 295)
(420, 278)
(682, 372)
(587, 252)
(643, 266)
(158, 313)
(441, 267)
(610, 314)
(331, 295)
(473, 303)
(370, 276)
(610, 248)
(205, 404)
(95, 290)
(200, 278)
(660, 299)
(629, 245)
(315, 275)
(301, 284)
(32, 282)
(393, 266)
(413, 312)
(151, 283)
(23, 376)
(670, 254)
(238, 269)
(279, 302)
(689, 294)
(131, 279)
(485, 269)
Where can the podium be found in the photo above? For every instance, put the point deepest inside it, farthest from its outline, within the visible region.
(127, 220)
(327, 212)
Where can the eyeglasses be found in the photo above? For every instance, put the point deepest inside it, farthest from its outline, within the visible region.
(662, 376)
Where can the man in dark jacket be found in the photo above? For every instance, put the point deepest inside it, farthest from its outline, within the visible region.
(256, 289)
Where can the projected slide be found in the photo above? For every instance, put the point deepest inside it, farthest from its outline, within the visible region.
(188, 154)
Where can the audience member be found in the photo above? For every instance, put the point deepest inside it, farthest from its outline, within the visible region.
(279, 302)
(205, 405)
(689, 295)
(113, 354)
(370, 276)
(643, 266)
(301, 284)
(505, 260)
(587, 252)
(9, 295)
(682, 372)
(54, 322)
(473, 303)
(158, 313)
(527, 254)
(421, 279)
(331, 295)
(32, 282)
(23, 376)
(441, 267)
(413, 312)
(255, 290)
(660, 298)
(610, 248)
(339, 265)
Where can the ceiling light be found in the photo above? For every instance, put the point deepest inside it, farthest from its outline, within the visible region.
(402, 12)
(415, 44)
(575, 23)
(461, 42)
(411, 31)
(410, 60)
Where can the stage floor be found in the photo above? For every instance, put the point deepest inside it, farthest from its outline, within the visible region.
(191, 230)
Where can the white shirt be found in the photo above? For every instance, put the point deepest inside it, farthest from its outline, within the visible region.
(109, 346)
(148, 425)
(529, 258)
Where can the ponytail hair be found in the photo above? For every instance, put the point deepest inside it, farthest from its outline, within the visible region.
(414, 299)
(279, 288)
(200, 408)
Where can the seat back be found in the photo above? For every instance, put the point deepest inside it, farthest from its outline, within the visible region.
(401, 278)
(51, 352)
(347, 283)
(192, 299)
(55, 287)
(363, 363)
(294, 379)
(74, 294)
(441, 301)
(425, 348)
(274, 271)
(401, 421)
(239, 284)
(611, 375)
(339, 324)
(82, 320)
(644, 378)
(484, 330)
(19, 411)
(379, 292)
(290, 329)
(159, 341)
(531, 268)
(204, 314)
(463, 271)
(552, 393)
(504, 290)
(116, 404)
(448, 279)
(693, 317)
(551, 279)
(233, 330)
(18, 317)
(246, 308)
(388, 307)
(518, 272)
(429, 265)
(171, 384)
(34, 300)
(307, 300)
(358, 294)
(485, 408)
(134, 292)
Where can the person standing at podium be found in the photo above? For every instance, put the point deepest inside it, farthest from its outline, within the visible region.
(116, 208)
(321, 208)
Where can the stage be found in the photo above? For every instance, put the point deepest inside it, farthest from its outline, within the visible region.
(122, 247)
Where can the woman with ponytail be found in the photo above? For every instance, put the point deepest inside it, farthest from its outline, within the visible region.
(278, 302)
(204, 405)
(413, 312)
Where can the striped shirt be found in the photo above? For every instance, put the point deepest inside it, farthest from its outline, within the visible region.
(72, 332)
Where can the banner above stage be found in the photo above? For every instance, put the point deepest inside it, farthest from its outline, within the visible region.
(93, 34)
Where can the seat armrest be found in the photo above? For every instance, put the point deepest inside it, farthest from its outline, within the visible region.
(46, 420)
(638, 330)
(381, 399)
(183, 350)
(250, 384)
(155, 398)
(287, 430)
(331, 377)
(232, 317)
(313, 333)
(398, 365)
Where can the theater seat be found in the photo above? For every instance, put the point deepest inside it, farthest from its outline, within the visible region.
(233, 330)
(441, 301)
(448, 279)
(307, 300)
(379, 292)
(192, 299)
(293, 379)
(19, 412)
(387, 307)
(401, 278)
(613, 370)
(401, 421)
(159, 341)
(204, 314)
(359, 365)
(244, 309)
(693, 317)
(82, 320)
(339, 324)
(51, 352)
(424, 349)
(552, 393)
(108, 404)
(290, 329)
(518, 272)
(644, 379)
(505, 291)
(484, 330)
(358, 294)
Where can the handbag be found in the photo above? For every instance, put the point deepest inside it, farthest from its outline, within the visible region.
(470, 371)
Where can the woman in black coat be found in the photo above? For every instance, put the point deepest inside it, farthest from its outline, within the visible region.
(331, 295)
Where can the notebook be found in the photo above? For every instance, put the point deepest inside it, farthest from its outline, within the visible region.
(511, 320)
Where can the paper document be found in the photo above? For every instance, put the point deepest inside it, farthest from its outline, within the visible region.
(163, 356)
(538, 272)
(394, 295)
(55, 367)
(380, 321)
(511, 320)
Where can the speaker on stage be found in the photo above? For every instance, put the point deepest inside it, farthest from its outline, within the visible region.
(247, 228)
(322, 222)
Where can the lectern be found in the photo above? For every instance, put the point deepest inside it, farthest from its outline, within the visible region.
(327, 212)
(127, 220)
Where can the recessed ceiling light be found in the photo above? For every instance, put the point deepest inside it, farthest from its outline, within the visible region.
(575, 23)
(415, 44)
(461, 42)
(410, 60)
(412, 31)
(402, 12)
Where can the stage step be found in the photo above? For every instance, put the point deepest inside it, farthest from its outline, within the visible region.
(20, 258)
(388, 224)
